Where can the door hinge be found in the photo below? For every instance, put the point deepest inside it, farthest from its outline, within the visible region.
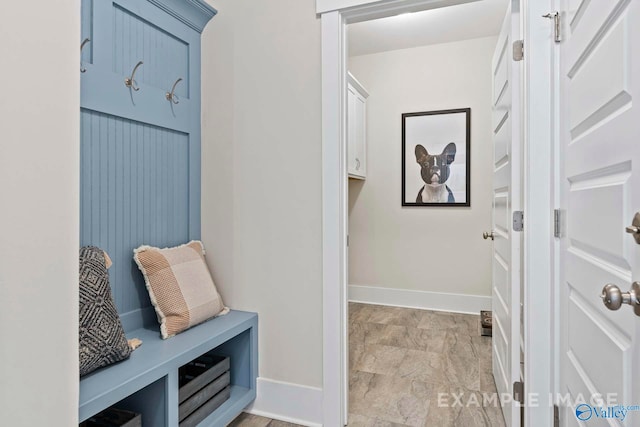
(518, 50)
(556, 416)
(556, 24)
(518, 392)
(518, 220)
(347, 240)
(557, 223)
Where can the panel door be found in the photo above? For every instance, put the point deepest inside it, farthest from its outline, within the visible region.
(507, 243)
(356, 134)
(356, 128)
(600, 157)
(360, 135)
(352, 151)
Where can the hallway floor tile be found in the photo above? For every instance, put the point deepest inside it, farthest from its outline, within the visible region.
(414, 368)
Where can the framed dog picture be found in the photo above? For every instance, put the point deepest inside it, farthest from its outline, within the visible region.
(436, 167)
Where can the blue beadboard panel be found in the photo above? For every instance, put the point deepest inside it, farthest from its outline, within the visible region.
(134, 190)
(140, 165)
(165, 57)
(86, 9)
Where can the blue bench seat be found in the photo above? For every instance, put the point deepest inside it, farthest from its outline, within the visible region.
(147, 382)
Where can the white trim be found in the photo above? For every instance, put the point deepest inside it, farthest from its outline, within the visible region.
(334, 219)
(381, 8)
(437, 301)
(357, 85)
(324, 6)
(538, 207)
(292, 403)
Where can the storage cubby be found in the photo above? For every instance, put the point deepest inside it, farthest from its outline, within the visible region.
(237, 349)
(148, 382)
(114, 417)
(149, 402)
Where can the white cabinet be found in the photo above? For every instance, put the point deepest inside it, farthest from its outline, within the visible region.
(356, 128)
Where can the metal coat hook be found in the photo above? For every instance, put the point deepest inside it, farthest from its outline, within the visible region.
(129, 81)
(84, 42)
(171, 96)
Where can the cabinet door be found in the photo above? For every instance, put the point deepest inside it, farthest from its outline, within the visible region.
(360, 133)
(356, 133)
(351, 128)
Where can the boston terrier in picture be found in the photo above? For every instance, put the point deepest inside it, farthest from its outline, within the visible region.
(434, 170)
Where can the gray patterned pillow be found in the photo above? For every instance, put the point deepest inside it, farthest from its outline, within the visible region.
(102, 339)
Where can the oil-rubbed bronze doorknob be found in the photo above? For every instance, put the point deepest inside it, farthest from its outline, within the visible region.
(487, 235)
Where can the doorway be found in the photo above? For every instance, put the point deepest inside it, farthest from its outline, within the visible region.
(426, 84)
(335, 16)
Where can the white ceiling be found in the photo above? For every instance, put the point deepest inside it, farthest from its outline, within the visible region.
(462, 22)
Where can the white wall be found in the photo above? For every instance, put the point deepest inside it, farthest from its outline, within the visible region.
(261, 163)
(39, 212)
(419, 248)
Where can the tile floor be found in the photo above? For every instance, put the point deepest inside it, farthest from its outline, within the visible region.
(402, 360)
(247, 420)
(412, 368)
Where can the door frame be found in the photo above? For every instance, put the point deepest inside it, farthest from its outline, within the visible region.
(540, 198)
(539, 145)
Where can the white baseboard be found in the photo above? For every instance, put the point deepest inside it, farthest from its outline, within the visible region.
(292, 403)
(438, 301)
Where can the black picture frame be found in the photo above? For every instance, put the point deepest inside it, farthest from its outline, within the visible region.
(435, 130)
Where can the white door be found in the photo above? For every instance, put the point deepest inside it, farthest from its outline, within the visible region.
(599, 118)
(356, 128)
(506, 199)
(352, 99)
(360, 136)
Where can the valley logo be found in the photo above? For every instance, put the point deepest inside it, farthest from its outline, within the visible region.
(585, 412)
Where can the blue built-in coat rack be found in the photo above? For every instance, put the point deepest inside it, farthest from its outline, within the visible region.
(140, 184)
(140, 155)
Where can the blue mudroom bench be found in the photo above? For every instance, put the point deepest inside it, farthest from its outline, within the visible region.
(147, 383)
(140, 184)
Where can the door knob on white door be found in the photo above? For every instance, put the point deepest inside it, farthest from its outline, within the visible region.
(634, 228)
(613, 298)
(486, 235)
